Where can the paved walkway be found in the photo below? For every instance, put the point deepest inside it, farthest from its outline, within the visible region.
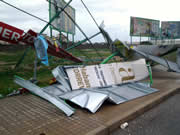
(31, 115)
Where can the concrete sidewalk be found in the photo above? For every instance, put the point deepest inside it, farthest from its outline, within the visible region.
(31, 115)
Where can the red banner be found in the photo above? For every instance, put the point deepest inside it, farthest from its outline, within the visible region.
(9, 33)
(28, 37)
(14, 35)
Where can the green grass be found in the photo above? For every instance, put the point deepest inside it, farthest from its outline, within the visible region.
(171, 56)
(8, 59)
(25, 70)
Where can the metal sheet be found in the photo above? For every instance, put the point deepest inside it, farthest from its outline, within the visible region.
(108, 40)
(89, 98)
(93, 98)
(68, 110)
(178, 57)
(169, 64)
(156, 50)
(126, 92)
(56, 89)
(62, 78)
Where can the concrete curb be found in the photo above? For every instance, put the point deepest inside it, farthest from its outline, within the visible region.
(115, 123)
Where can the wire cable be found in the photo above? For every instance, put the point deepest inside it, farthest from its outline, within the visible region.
(90, 13)
(26, 12)
(77, 27)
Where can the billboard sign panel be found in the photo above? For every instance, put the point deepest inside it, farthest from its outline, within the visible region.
(63, 22)
(144, 27)
(170, 29)
(107, 74)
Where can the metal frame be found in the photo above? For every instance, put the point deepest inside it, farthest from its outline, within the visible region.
(87, 39)
(50, 3)
(60, 31)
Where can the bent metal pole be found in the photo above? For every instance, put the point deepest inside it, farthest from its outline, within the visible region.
(88, 39)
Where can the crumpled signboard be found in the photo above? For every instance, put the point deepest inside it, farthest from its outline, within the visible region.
(93, 97)
(104, 75)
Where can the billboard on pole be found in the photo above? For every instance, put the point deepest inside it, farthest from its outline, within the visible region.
(144, 27)
(63, 23)
(170, 29)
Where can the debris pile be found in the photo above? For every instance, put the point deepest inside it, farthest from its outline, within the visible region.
(90, 86)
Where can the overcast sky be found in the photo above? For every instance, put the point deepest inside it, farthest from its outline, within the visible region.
(115, 13)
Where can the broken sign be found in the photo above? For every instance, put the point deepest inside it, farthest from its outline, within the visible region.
(104, 75)
(92, 95)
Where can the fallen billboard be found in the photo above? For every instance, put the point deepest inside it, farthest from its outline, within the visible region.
(104, 75)
(90, 97)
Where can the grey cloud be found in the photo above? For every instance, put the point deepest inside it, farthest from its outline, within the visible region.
(7, 11)
(14, 17)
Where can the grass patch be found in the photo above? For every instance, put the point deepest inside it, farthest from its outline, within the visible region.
(8, 59)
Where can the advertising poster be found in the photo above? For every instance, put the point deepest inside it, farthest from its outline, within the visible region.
(170, 29)
(144, 27)
(63, 22)
(107, 74)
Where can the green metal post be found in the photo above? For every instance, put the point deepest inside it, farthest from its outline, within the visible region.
(73, 38)
(50, 18)
(50, 21)
(79, 43)
(54, 17)
(109, 58)
(51, 32)
(22, 57)
(73, 43)
(60, 39)
(67, 40)
(150, 73)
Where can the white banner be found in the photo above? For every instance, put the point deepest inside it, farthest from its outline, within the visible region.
(107, 74)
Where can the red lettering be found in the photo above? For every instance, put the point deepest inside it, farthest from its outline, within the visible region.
(9, 33)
